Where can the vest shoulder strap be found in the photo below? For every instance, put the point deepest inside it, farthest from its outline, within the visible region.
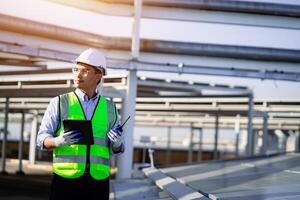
(64, 106)
(112, 113)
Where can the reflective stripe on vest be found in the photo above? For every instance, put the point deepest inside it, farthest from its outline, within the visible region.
(66, 157)
(99, 160)
(101, 142)
(69, 159)
(80, 159)
(64, 106)
(111, 113)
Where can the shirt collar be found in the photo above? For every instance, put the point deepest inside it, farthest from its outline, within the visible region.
(83, 97)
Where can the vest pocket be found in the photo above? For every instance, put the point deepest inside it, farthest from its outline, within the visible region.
(100, 162)
(69, 161)
(99, 171)
(69, 170)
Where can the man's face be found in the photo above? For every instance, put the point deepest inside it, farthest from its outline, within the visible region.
(86, 77)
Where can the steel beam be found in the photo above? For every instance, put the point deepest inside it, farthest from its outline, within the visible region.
(4, 138)
(237, 132)
(191, 145)
(250, 135)
(32, 142)
(211, 126)
(20, 153)
(41, 71)
(221, 5)
(135, 45)
(128, 109)
(19, 25)
(265, 134)
(168, 154)
(218, 71)
(298, 140)
(265, 8)
(216, 137)
(231, 6)
(21, 63)
(195, 86)
(216, 50)
(185, 14)
(199, 157)
(187, 49)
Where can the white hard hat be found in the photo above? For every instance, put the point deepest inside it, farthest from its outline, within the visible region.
(94, 58)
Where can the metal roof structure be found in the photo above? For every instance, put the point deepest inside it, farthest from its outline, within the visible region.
(263, 56)
(274, 177)
(30, 45)
(161, 102)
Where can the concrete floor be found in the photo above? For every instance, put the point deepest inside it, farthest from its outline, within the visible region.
(35, 184)
(27, 187)
(270, 178)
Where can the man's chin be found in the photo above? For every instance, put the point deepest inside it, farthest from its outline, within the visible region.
(78, 85)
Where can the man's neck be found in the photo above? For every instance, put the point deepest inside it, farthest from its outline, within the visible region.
(89, 93)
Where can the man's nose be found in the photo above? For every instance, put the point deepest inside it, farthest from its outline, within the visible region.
(78, 74)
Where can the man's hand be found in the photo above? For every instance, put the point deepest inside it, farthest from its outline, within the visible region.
(115, 136)
(68, 138)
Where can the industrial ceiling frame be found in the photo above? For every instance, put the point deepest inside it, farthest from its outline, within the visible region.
(13, 24)
(187, 105)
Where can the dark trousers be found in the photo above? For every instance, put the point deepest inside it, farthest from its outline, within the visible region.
(84, 187)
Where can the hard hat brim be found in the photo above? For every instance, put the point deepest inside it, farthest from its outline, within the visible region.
(98, 68)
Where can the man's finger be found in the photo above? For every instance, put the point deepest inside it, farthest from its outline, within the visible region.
(110, 137)
(68, 133)
(113, 138)
(78, 135)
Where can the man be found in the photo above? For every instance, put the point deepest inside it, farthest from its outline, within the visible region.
(82, 170)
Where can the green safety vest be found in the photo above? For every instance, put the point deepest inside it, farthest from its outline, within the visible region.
(70, 161)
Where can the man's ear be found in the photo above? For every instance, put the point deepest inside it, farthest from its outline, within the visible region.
(99, 77)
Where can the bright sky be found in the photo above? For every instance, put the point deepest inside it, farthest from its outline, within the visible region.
(61, 15)
(53, 13)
